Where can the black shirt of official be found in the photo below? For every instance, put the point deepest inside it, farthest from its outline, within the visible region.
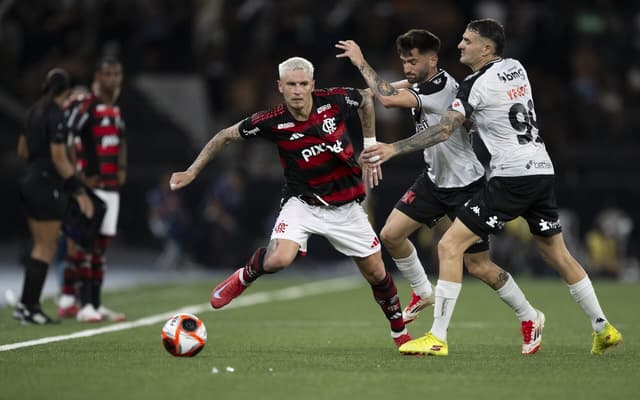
(44, 125)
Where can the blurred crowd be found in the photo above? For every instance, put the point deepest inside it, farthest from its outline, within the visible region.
(583, 58)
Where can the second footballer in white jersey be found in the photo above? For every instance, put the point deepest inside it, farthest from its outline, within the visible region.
(452, 176)
(498, 97)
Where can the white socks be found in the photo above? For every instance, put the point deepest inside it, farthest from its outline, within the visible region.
(446, 296)
(583, 293)
(413, 271)
(511, 294)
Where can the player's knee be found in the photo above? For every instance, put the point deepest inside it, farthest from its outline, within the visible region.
(447, 249)
(375, 276)
(390, 238)
(372, 268)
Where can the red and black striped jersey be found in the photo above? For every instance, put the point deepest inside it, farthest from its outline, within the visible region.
(317, 155)
(99, 135)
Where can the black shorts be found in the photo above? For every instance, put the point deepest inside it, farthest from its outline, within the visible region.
(426, 203)
(506, 198)
(41, 195)
(82, 230)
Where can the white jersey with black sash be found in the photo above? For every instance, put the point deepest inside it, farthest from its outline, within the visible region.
(499, 100)
(453, 163)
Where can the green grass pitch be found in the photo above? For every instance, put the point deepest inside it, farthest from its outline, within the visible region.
(332, 345)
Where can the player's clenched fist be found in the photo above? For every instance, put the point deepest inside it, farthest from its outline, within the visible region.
(180, 179)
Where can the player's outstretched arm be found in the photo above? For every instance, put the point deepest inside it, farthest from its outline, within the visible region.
(387, 93)
(209, 152)
(426, 137)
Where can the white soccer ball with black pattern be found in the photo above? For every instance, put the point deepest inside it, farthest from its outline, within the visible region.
(184, 335)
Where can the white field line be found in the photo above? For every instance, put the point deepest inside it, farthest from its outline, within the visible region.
(295, 292)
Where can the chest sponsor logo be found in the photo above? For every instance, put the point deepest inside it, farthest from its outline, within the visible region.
(329, 125)
(321, 148)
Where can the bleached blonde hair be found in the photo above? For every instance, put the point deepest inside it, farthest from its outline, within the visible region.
(294, 63)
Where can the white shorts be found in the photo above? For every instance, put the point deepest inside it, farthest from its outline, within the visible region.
(110, 221)
(347, 227)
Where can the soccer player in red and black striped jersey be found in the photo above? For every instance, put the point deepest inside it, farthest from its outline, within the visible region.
(323, 184)
(100, 148)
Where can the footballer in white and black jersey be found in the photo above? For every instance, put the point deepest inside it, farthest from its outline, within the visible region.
(452, 176)
(450, 164)
(498, 99)
(453, 173)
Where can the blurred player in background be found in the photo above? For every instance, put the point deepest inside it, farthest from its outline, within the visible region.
(323, 188)
(45, 188)
(101, 153)
(498, 98)
(452, 175)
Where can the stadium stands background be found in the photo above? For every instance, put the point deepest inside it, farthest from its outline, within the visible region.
(192, 67)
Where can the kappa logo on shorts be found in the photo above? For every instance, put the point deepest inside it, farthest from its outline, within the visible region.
(494, 223)
(280, 227)
(547, 225)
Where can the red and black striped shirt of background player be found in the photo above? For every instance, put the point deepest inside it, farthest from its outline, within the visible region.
(317, 155)
(99, 133)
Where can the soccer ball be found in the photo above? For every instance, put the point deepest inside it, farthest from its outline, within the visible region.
(184, 335)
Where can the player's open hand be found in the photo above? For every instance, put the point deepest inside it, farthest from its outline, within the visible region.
(351, 50)
(370, 175)
(181, 179)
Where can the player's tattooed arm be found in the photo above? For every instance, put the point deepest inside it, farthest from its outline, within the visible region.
(389, 94)
(377, 84)
(367, 114)
(214, 147)
(181, 179)
(431, 136)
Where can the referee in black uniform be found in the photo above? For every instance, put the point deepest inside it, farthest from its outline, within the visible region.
(46, 186)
